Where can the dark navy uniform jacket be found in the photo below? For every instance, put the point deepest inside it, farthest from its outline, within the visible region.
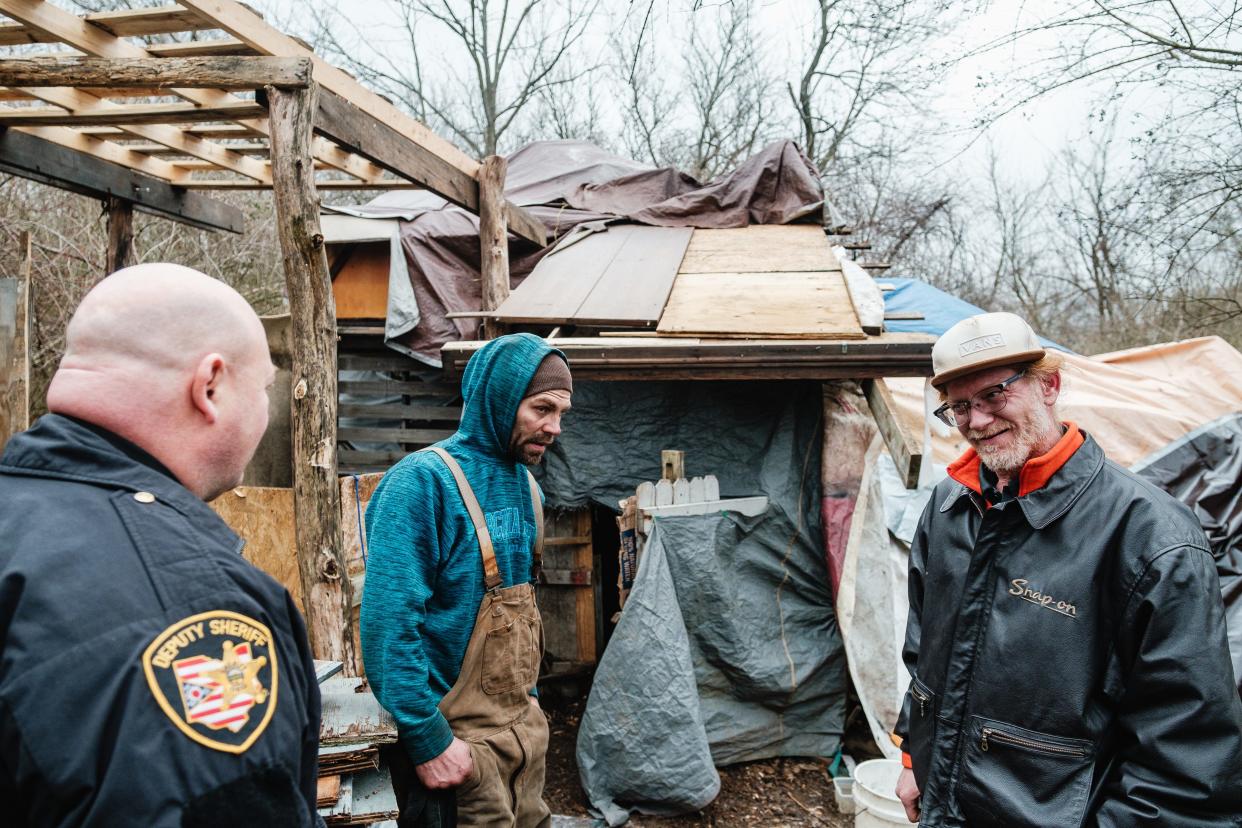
(149, 675)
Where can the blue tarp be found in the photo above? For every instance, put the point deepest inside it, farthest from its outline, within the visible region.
(940, 310)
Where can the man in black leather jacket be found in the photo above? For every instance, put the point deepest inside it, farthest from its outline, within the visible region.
(1066, 637)
(149, 676)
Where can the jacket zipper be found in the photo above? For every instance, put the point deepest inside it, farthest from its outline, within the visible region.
(923, 700)
(1009, 738)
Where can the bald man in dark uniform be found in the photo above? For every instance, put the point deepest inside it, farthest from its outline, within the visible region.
(149, 675)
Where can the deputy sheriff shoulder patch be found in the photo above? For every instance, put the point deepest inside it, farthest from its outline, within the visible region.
(215, 676)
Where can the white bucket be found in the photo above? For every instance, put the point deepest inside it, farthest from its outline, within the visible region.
(875, 801)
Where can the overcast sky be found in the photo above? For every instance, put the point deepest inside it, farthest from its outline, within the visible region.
(1026, 142)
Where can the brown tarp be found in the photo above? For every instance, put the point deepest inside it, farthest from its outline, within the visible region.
(564, 184)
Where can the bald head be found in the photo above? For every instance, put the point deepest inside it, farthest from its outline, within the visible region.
(154, 317)
(170, 359)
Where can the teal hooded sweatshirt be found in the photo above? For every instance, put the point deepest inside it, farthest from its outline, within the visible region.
(424, 578)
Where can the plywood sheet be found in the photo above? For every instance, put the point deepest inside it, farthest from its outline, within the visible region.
(356, 491)
(264, 519)
(760, 248)
(621, 276)
(761, 305)
(360, 288)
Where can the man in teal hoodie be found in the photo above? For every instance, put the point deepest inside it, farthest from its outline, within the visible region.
(451, 636)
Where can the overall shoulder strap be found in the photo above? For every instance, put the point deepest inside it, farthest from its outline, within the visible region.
(536, 503)
(491, 572)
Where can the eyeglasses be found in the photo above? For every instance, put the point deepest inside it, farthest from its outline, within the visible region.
(990, 401)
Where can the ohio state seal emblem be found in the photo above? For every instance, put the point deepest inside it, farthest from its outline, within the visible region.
(215, 676)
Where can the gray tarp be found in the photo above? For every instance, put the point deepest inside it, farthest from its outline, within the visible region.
(728, 648)
(756, 437)
(563, 184)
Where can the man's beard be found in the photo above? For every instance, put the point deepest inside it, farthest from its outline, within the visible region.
(1025, 434)
(520, 451)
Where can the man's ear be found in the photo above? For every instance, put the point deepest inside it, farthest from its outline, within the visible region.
(205, 385)
(1052, 388)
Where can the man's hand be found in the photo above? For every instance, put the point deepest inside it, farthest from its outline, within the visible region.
(908, 792)
(449, 769)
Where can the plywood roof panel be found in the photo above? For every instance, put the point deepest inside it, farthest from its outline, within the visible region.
(799, 305)
(760, 248)
(621, 276)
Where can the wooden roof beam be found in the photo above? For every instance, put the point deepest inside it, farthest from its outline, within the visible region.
(365, 135)
(160, 73)
(226, 131)
(195, 48)
(117, 114)
(320, 184)
(76, 32)
(50, 163)
(124, 23)
(196, 165)
(159, 150)
(110, 93)
(105, 150)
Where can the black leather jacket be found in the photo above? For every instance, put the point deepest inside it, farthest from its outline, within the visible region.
(1069, 659)
(149, 675)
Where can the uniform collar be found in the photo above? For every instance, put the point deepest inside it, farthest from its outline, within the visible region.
(67, 448)
(1048, 485)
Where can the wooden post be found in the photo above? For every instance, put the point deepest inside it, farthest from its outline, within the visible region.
(15, 348)
(120, 234)
(904, 445)
(326, 587)
(672, 465)
(494, 240)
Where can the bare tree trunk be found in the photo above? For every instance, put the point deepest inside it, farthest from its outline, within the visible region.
(493, 239)
(120, 235)
(316, 494)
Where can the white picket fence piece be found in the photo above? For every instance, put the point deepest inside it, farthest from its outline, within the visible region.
(663, 493)
(749, 506)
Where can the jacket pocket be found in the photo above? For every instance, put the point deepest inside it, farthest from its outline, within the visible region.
(922, 729)
(511, 656)
(1015, 777)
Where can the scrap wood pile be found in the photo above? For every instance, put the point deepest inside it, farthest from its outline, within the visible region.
(355, 786)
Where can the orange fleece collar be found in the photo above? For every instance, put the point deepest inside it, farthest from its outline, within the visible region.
(1033, 476)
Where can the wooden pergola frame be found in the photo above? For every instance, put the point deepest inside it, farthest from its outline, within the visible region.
(146, 127)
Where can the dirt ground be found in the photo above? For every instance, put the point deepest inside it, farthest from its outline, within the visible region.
(773, 793)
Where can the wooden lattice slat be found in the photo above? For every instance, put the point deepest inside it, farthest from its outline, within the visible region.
(126, 115)
(167, 135)
(125, 23)
(92, 40)
(201, 48)
(105, 150)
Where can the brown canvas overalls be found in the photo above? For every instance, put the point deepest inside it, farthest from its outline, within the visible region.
(489, 706)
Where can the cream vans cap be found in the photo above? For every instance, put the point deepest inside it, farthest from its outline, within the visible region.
(983, 341)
